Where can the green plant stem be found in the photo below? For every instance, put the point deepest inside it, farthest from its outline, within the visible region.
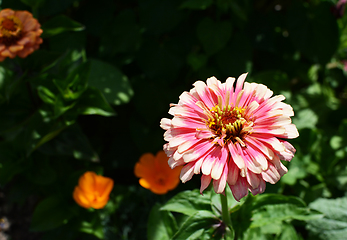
(225, 211)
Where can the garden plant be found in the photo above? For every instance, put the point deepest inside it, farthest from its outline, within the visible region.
(173, 119)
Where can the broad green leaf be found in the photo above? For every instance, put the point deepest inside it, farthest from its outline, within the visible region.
(71, 142)
(49, 214)
(196, 4)
(188, 202)
(334, 223)
(271, 198)
(288, 232)
(161, 224)
(92, 102)
(110, 81)
(60, 24)
(195, 225)
(75, 84)
(275, 213)
(305, 118)
(213, 35)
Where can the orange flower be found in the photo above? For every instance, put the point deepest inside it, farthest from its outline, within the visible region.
(19, 34)
(155, 173)
(93, 190)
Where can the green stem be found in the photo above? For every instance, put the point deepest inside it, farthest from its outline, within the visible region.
(225, 211)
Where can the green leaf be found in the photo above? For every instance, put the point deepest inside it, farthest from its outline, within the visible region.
(305, 118)
(213, 35)
(161, 224)
(196, 4)
(10, 163)
(277, 213)
(92, 102)
(93, 228)
(272, 198)
(288, 232)
(334, 223)
(196, 61)
(60, 24)
(33, 3)
(46, 95)
(195, 225)
(76, 82)
(49, 214)
(188, 202)
(312, 27)
(71, 142)
(110, 81)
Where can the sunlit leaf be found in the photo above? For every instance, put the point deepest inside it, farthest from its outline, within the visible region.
(59, 24)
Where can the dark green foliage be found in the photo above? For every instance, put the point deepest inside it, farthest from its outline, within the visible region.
(92, 96)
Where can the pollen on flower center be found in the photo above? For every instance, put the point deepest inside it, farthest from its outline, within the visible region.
(229, 124)
(10, 27)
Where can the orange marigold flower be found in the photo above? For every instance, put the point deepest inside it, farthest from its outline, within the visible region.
(155, 173)
(93, 190)
(19, 34)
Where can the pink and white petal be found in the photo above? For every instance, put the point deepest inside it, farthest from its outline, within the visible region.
(189, 145)
(177, 156)
(239, 189)
(271, 175)
(239, 83)
(289, 152)
(187, 123)
(260, 188)
(251, 163)
(169, 151)
(236, 157)
(251, 108)
(220, 162)
(187, 172)
(268, 153)
(269, 130)
(204, 134)
(270, 141)
(219, 185)
(215, 85)
(165, 123)
(258, 157)
(197, 166)
(199, 151)
(233, 173)
(205, 182)
(252, 179)
(204, 94)
(175, 163)
(291, 131)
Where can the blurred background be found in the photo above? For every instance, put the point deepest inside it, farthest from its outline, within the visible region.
(92, 96)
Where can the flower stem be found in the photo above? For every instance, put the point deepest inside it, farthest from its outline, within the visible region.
(225, 211)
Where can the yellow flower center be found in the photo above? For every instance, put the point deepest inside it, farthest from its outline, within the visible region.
(229, 124)
(10, 29)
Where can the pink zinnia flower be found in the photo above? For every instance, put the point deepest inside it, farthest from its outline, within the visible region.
(231, 135)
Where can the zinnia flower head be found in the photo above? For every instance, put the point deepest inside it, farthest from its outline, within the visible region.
(92, 190)
(231, 133)
(155, 174)
(19, 34)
